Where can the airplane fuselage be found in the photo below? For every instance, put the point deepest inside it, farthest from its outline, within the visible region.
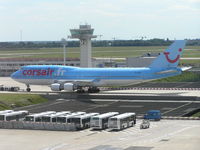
(46, 75)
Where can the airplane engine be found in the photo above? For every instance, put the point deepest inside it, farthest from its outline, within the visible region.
(56, 87)
(69, 87)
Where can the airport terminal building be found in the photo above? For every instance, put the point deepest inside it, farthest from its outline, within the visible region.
(10, 65)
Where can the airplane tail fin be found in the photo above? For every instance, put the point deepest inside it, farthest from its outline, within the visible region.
(170, 57)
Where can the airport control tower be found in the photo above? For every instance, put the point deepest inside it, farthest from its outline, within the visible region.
(85, 34)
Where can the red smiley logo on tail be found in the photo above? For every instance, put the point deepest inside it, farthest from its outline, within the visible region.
(172, 60)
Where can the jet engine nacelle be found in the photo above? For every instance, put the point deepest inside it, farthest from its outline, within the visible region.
(55, 87)
(69, 87)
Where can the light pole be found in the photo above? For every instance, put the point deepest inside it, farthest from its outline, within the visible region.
(64, 42)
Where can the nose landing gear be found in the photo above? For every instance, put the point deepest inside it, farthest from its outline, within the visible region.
(28, 89)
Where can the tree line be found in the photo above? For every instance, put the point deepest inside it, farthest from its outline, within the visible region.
(95, 43)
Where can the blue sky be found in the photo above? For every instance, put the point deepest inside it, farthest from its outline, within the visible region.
(44, 20)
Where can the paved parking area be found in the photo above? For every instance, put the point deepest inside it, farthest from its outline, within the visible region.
(166, 134)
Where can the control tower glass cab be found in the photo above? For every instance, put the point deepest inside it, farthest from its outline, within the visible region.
(84, 34)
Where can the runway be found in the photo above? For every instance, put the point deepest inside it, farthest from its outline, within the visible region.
(168, 108)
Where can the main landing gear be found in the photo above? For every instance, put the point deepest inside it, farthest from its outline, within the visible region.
(80, 90)
(28, 89)
(90, 90)
(93, 90)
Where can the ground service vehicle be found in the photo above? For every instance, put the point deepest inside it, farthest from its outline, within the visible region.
(53, 117)
(38, 116)
(14, 115)
(153, 115)
(101, 121)
(122, 121)
(83, 121)
(67, 118)
(145, 124)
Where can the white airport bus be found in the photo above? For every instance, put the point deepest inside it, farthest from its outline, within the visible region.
(5, 111)
(82, 121)
(38, 116)
(53, 117)
(122, 121)
(67, 118)
(101, 121)
(13, 115)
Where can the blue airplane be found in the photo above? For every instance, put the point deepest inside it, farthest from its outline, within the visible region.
(69, 78)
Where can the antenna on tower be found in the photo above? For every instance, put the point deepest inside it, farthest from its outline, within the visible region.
(100, 36)
(20, 34)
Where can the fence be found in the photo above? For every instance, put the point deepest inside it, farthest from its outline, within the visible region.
(36, 126)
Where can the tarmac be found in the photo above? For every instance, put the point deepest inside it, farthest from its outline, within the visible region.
(170, 102)
(162, 135)
(166, 134)
(168, 91)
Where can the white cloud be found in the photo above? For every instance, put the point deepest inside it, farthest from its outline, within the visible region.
(2, 8)
(185, 8)
(194, 1)
(49, 19)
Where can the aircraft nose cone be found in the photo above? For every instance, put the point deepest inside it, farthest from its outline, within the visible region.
(13, 75)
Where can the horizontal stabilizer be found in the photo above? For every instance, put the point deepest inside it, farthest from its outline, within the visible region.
(185, 68)
(166, 71)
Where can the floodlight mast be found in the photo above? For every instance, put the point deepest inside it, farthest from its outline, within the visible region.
(64, 42)
(84, 34)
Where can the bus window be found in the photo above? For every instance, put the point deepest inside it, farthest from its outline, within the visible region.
(39, 119)
(75, 120)
(61, 119)
(29, 118)
(95, 118)
(1, 117)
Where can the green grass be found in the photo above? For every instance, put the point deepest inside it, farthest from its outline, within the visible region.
(10, 101)
(108, 52)
(189, 62)
(191, 51)
(184, 77)
(196, 115)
